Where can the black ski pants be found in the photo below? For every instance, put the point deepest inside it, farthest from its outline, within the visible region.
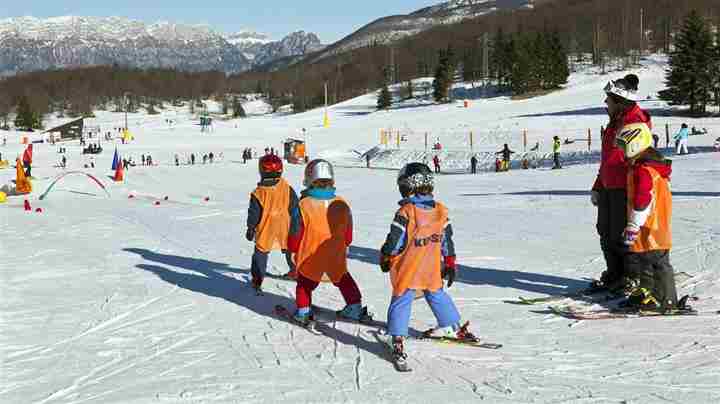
(611, 221)
(655, 274)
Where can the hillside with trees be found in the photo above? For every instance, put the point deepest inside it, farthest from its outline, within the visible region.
(519, 52)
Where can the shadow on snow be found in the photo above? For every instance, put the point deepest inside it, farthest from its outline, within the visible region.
(210, 279)
(525, 281)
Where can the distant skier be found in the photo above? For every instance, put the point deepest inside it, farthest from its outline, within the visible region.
(647, 233)
(681, 139)
(320, 244)
(505, 153)
(419, 252)
(272, 215)
(609, 190)
(473, 164)
(556, 152)
(436, 163)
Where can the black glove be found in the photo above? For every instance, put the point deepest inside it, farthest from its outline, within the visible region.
(385, 263)
(250, 234)
(449, 274)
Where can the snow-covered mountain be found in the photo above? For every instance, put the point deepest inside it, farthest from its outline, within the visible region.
(28, 43)
(393, 28)
(260, 49)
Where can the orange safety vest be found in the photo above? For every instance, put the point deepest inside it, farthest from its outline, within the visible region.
(418, 267)
(323, 249)
(272, 231)
(656, 233)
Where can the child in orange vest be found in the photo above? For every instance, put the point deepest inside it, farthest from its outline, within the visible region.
(419, 252)
(648, 233)
(272, 215)
(320, 244)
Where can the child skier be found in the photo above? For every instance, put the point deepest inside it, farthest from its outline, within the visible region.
(320, 244)
(648, 233)
(272, 215)
(419, 252)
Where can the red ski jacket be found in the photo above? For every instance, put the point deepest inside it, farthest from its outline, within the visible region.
(613, 168)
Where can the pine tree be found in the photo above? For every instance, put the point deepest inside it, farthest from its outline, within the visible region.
(384, 100)
(559, 68)
(26, 118)
(690, 79)
(444, 76)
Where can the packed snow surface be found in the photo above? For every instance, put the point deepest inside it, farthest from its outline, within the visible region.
(122, 300)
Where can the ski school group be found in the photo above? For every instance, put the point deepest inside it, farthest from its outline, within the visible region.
(315, 230)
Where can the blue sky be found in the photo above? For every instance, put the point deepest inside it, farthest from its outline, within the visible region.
(331, 20)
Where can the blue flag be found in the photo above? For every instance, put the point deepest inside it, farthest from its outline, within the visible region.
(116, 160)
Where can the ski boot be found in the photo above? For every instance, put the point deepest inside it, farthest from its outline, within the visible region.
(640, 299)
(459, 333)
(399, 357)
(257, 286)
(463, 334)
(355, 312)
(303, 317)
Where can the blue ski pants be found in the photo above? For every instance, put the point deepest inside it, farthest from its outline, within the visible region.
(440, 303)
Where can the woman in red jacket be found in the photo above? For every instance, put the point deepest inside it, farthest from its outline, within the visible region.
(608, 192)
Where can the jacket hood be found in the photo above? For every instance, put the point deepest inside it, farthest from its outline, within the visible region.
(653, 158)
(637, 115)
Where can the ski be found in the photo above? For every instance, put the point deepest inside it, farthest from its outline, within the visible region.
(592, 292)
(282, 312)
(366, 319)
(454, 341)
(606, 314)
(399, 363)
(588, 292)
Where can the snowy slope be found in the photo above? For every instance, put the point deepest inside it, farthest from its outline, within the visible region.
(118, 300)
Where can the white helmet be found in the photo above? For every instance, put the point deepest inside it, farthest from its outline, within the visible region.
(625, 87)
(318, 169)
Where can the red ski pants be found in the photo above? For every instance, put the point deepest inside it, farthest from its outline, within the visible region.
(348, 289)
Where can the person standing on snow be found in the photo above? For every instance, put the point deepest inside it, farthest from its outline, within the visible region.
(418, 253)
(272, 216)
(647, 233)
(681, 139)
(556, 152)
(505, 152)
(320, 244)
(436, 163)
(473, 164)
(609, 193)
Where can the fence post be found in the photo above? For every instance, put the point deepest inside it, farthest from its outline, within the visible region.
(471, 141)
(667, 135)
(426, 136)
(398, 139)
(524, 140)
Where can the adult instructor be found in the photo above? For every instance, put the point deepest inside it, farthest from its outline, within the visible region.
(609, 193)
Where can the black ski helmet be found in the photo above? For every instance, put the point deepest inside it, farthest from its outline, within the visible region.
(415, 178)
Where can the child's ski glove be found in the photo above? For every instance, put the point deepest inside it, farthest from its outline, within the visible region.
(632, 231)
(385, 263)
(250, 234)
(449, 270)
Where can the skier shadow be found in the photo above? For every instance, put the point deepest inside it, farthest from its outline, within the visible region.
(527, 281)
(211, 279)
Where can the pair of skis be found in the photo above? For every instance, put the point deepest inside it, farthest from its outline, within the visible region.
(399, 362)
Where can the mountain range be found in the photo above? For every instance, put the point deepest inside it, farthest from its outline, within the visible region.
(29, 44)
